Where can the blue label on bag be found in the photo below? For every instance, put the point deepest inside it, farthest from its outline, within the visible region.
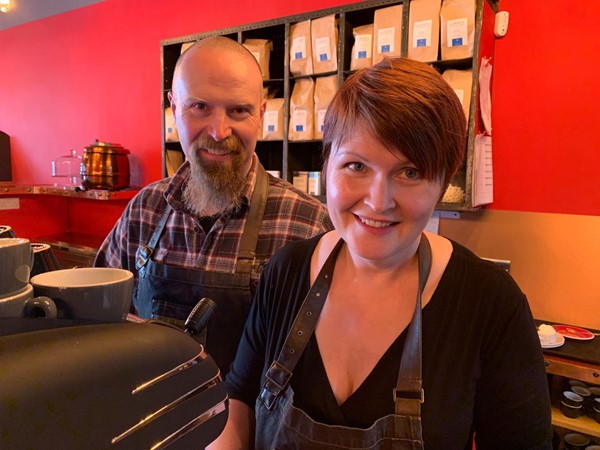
(457, 42)
(421, 42)
(362, 55)
(385, 48)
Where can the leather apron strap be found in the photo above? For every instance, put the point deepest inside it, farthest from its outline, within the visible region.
(247, 248)
(258, 203)
(409, 394)
(281, 370)
(146, 251)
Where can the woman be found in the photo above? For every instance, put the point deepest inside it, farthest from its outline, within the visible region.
(352, 366)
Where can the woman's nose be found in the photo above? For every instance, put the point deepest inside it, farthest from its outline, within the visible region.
(380, 195)
(219, 128)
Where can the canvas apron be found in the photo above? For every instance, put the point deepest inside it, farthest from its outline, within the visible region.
(169, 292)
(280, 425)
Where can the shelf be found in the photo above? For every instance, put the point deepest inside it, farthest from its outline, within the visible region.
(70, 191)
(289, 156)
(583, 424)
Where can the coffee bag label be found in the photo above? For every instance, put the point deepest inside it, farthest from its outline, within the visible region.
(385, 40)
(323, 49)
(457, 32)
(299, 48)
(300, 120)
(422, 33)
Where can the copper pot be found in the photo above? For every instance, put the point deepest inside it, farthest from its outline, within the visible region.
(105, 166)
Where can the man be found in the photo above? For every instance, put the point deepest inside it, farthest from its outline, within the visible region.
(209, 230)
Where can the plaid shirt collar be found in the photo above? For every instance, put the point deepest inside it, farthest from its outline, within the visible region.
(174, 192)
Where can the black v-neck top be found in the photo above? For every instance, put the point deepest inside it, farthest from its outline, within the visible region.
(483, 367)
(318, 400)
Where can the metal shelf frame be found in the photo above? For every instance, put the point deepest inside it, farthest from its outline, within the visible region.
(483, 47)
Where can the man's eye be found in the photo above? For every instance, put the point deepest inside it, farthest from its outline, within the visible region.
(199, 106)
(239, 111)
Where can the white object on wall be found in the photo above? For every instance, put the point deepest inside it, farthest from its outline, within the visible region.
(501, 24)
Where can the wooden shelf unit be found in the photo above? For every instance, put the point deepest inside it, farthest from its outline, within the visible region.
(288, 156)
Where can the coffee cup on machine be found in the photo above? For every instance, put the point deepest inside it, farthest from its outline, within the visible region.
(16, 260)
(23, 304)
(6, 231)
(99, 294)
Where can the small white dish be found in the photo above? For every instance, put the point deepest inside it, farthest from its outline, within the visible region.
(560, 340)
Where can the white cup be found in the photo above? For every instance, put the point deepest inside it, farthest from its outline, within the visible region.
(91, 293)
(23, 304)
(16, 260)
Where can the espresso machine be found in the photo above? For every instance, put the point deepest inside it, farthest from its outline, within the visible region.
(128, 385)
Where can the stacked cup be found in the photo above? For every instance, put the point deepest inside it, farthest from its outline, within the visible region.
(571, 404)
(16, 293)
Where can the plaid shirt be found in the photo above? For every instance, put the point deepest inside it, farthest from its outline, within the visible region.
(290, 215)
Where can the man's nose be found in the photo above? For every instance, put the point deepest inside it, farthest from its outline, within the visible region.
(219, 128)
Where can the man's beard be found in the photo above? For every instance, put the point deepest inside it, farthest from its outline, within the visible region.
(214, 187)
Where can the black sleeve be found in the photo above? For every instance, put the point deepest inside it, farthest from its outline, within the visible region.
(512, 405)
(283, 284)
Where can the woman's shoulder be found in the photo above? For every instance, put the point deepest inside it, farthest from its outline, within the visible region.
(470, 273)
(293, 254)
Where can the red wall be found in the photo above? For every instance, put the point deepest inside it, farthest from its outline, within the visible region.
(95, 73)
(546, 94)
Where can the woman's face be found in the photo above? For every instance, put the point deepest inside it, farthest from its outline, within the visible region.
(377, 200)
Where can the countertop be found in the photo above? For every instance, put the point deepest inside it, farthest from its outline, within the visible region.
(584, 351)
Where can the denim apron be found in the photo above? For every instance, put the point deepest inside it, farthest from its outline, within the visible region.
(280, 425)
(168, 292)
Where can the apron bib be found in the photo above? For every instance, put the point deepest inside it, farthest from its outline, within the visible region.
(280, 425)
(169, 293)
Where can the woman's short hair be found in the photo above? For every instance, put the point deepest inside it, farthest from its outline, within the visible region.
(408, 107)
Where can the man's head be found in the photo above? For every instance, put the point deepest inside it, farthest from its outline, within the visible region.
(218, 106)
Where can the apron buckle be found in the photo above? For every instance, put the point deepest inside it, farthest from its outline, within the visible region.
(143, 256)
(399, 394)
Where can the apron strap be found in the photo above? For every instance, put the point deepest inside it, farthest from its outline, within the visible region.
(146, 251)
(280, 372)
(247, 248)
(249, 238)
(409, 394)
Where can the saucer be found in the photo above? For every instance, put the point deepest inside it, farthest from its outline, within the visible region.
(560, 340)
(572, 332)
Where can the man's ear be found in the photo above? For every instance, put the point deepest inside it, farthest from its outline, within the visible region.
(172, 101)
(263, 107)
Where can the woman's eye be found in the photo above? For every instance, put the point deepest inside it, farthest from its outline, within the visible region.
(411, 173)
(356, 166)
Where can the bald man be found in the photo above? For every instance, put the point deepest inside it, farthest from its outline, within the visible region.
(209, 230)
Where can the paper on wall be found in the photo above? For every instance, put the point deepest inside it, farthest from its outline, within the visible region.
(483, 175)
(485, 95)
